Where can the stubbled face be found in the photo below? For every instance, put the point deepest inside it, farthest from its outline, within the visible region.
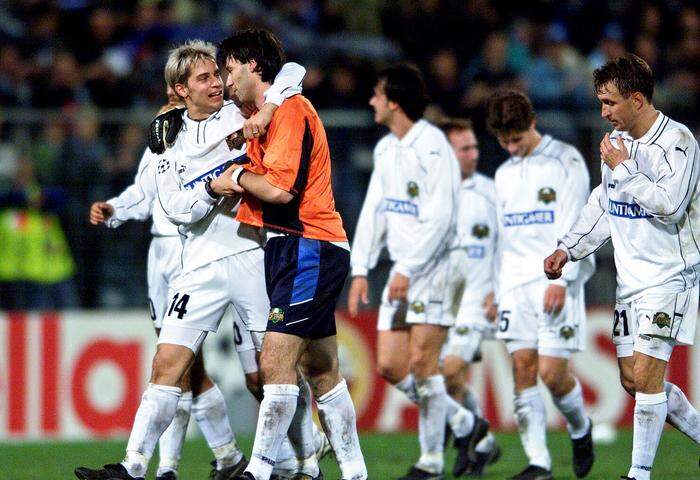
(519, 144)
(466, 149)
(615, 108)
(381, 104)
(240, 81)
(203, 92)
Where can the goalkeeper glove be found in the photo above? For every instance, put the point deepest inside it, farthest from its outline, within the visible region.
(164, 130)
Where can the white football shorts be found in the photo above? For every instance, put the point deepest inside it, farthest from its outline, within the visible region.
(163, 267)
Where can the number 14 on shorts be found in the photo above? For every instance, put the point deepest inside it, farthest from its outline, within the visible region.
(179, 305)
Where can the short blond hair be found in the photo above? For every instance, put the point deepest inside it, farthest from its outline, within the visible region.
(182, 59)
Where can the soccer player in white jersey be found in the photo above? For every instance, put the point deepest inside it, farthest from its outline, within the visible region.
(646, 203)
(471, 279)
(410, 207)
(540, 191)
(217, 252)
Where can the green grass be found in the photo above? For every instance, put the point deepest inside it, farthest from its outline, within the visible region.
(388, 456)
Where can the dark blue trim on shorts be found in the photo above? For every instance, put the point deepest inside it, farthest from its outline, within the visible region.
(308, 265)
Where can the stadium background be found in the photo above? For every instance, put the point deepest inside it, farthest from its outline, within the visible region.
(80, 80)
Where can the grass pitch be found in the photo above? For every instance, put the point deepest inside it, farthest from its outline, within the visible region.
(388, 456)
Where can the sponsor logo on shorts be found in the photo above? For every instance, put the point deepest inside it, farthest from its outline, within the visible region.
(418, 307)
(566, 332)
(276, 315)
(626, 210)
(528, 218)
(480, 230)
(662, 320)
(475, 251)
(546, 195)
(412, 189)
(402, 207)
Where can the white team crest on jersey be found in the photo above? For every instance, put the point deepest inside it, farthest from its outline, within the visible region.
(547, 195)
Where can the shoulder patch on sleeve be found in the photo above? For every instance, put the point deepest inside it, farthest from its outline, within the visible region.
(163, 165)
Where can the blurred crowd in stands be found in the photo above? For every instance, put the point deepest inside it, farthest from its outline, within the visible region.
(80, 80)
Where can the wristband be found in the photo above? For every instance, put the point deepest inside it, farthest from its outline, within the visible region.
(237, 174)
(210, 192)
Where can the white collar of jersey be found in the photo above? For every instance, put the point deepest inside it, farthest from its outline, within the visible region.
(544, 143)
(469, 182)
(654, 129)
(413, 133)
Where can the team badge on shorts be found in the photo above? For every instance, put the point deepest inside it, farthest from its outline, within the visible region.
(412, 189)
(462, 330)
(661, 320)
(566, 332)
(480, 230)
(163, 165)
(418, 307)
(546, 195)
(276, 315)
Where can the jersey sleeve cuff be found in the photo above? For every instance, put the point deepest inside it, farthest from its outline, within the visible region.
(559, 281)
(201, 192)
(403, 270)
(358, 271)
(564, 249)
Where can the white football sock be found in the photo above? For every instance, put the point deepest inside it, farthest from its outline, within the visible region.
(532, 426)
(432, 406)
(301, 432)
(649, 417)
(486, 443)
(408, 386)
(681, 412)
(211, 413)
(471, 403)
(170, 443)
(460, 419)
(286, 464)
(156, 411)
(320, 438)
(276, 413)
(571, 406)
(337, 414)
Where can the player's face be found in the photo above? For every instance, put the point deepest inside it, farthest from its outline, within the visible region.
(466, 149)
(203, 92)
(518, 144)
(239, 82)
(380, 103)
(615, 108)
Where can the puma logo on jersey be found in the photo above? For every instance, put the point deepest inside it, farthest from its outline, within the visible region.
(683, 151)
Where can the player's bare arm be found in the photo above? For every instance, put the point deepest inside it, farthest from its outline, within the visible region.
(259, 187)
(357, 294)
(554, 263)
(100, 212)
(256, 125)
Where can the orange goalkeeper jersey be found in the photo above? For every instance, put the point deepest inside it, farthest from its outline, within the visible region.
(293, 155)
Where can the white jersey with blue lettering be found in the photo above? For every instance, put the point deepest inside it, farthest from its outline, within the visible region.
(649, 207)
(539, 197)
(138, 201)
(411, 202)
(476, 239)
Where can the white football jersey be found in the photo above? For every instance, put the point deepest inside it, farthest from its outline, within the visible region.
(539, 197)
(411, 202)
(138, 200)
(649, 207)
(476, 236)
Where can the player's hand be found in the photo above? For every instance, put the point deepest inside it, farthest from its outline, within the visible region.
(164, 129)
(554, 298)
(554, 263)
(357, 294)
(100, 212)
(224, 185)
(610, 155)
(256, 125)
(398, 288)
(490, 307)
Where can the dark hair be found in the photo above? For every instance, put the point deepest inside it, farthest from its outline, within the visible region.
(449, 125)
(404, 84)
(255, 44)
(628, 73)
(509, 111)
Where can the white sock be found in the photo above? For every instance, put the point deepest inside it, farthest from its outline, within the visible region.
(211, 413)
(471, 403)
(649, 417)
(681, 412)
(337, 414)
(156, 411)
(432, 406)
(286, 464)
(301, 432)
(408, 386)
(460, 419)
(320, 438)
(532, 426)
(170, 443)
(486, 443)
(276, 412)
(571, 406)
